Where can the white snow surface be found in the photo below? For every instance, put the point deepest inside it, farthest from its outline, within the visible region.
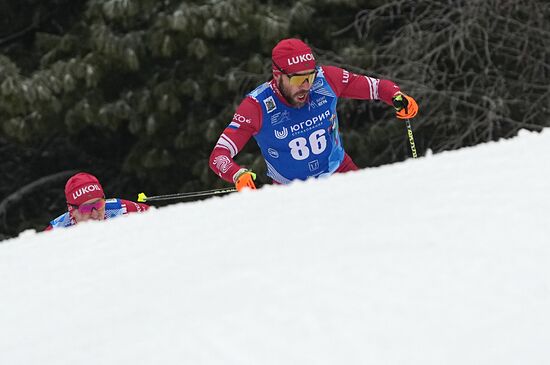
(440, 260)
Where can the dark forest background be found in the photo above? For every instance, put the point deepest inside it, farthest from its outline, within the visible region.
(138, 91)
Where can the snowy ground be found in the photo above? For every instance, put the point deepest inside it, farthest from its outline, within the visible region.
(442, 260)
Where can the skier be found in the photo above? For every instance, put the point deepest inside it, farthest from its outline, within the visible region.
(293, 118)
(86, 201)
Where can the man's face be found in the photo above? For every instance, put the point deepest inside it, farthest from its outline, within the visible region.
(93, 209)
(296, 93)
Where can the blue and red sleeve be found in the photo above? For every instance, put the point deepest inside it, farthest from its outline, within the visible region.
(246, 123)
(132, 207)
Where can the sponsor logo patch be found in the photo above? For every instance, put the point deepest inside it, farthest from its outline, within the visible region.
(241, 118)
(270, 104)
(275, 118)
(317, 84)
(345, 77)
(285, 117)
(223, 163)
(321, 101)
(273, 152)
(279, 118)
(310, 123)
(313, 165)
(85, 190)
(282, 134)
(299, 59)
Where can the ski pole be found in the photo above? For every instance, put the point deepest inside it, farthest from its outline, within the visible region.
(142, 198)
(411, 137)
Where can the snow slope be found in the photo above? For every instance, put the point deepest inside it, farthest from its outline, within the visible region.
(440, 260)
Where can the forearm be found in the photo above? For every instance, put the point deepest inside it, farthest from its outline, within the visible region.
(223, 165)
(368, 88)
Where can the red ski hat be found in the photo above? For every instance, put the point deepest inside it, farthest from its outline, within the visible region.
(82, 187)
(292, 55)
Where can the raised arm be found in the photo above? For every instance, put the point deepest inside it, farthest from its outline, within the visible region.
(350, 85)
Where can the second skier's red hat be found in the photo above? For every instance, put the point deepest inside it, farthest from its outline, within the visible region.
(82, 187)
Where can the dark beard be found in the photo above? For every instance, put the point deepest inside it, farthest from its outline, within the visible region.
(286, 94)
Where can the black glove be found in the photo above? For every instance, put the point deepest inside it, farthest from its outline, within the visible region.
(400, 102)
(405, 106)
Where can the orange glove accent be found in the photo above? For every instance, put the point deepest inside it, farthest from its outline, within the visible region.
(245, 180)
(405, 106)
